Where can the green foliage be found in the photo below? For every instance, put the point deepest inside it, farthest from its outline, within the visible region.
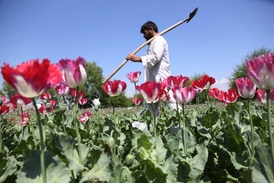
(213, 146)
(8, 90)
(240, 69)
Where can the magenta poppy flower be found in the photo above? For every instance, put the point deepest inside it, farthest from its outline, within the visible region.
(151, 91)
(32, 78)
(74, 72)
(84, 117)
(114, 88)
(261, 96)
(228, 97)
(246, 87)
(18, 100)
(24, 118)
(214, 93)
(3, 99)
(172, 81)
(203, 83)
(134, 76)
(261, 71)
(62, 89)
(184, 95)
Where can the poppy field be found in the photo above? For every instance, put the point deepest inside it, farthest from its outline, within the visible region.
(229, 138)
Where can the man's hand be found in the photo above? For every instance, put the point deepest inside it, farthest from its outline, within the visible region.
(133, 58)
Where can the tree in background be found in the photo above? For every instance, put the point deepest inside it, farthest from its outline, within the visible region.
(240, 69)
(8, 90)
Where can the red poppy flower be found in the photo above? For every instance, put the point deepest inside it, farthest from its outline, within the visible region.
(172, 81)
(45, 96)
(114, 88)
(4, 109)
(151, 90)
(18, 100)
(137, 101)
(203, 83)
(228, 97)
(32, 78)
(214, 93)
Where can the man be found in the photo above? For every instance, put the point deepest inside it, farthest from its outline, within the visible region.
(156, 62)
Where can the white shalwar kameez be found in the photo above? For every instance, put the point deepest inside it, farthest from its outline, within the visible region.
(157, 67)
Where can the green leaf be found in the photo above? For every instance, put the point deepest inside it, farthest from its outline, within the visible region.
(121, 174)
(158, 153)
(100, 171)
(68, 149)
(198, 162)
(8, 166)
(171, 169)
(263, 166)
(210, 119)
(56, 170)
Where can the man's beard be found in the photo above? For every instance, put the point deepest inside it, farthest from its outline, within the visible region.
(149, 36)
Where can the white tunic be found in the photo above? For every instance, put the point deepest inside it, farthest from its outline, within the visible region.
(156, 63)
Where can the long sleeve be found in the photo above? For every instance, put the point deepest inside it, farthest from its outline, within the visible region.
(156, 62)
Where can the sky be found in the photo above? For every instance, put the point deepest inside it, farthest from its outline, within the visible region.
(218, 38)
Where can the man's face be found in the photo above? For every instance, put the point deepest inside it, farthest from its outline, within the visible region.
(147, 34)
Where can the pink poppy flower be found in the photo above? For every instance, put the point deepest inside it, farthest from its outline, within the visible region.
(32, 78)
(151, 91)
(184, 95)
(114, 88)
(134, 76)
(261, 96)
(74, 72)
(246, 88)
(62, 89)
(261, 71)
(84, 117)
(24, 118)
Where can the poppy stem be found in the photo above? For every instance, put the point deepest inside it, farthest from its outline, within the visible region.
(154, 121)
(1, 138)
(252, 132)
(42, 145)
(75, 108)
(184, 129)
(270, 126)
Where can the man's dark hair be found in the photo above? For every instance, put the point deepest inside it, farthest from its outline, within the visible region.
(149, 25)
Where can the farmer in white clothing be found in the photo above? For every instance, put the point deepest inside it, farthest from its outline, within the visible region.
(156, 62)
